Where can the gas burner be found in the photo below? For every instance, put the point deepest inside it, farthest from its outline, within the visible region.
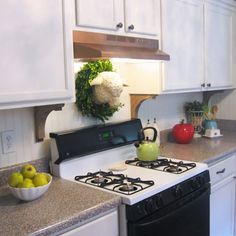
(172, 169)
(145, 163)
(128, 188)
(115, 182)
(163, 164)
(99, 180)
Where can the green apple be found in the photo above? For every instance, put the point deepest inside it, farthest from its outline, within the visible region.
(15, 178)
(28, 180)
(28, 171)
(27, 183)
(40, 179)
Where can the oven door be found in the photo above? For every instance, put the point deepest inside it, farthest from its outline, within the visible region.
(187, 216)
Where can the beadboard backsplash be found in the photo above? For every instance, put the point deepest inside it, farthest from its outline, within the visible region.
(21, 121)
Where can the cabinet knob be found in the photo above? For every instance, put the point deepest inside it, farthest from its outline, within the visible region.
(203, 85)
(209, 85)
(131, 27)
(119, 25)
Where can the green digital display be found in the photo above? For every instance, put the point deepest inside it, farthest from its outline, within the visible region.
(105, 135)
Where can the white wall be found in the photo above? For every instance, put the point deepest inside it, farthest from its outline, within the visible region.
(226, 103)
(168, 109)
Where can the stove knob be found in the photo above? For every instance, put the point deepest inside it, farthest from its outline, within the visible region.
(195, 183)
(140, 211)
(159, 201)
(177, 191)
(149, 206)
(200, 180)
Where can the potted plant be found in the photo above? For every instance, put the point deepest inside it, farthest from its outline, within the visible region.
(195, 112)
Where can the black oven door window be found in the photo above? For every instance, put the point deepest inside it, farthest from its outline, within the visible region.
(186, 217)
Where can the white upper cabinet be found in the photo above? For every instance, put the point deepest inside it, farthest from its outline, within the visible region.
(198, 36)
(123, 17)
(142, 17)
(103, 14)
(182, 38)
(37, 54)
(218, 32)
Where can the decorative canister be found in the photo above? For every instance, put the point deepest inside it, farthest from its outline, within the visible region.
(210, 124)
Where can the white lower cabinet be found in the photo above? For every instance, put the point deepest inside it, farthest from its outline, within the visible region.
(102, 226)
(222, 199)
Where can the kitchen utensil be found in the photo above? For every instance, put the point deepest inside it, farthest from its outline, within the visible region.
(210, 124)
(214, 110)
(147, 150)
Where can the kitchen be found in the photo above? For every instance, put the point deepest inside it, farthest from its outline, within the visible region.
(167, 107)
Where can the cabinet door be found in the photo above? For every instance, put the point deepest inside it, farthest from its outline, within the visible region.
(36, 65)
(218, 31)
(105, 225)
(102, 14)
(182, 34)
(222, 208)
(142, 17)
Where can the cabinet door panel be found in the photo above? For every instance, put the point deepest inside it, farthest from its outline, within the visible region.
(143, 15)
(34, 63)
(182, 35)
(103, 14)
(218, 46)
(222, 208)
(105, 225)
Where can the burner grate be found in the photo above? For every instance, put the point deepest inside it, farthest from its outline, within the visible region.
(163, 164)
(115, 182)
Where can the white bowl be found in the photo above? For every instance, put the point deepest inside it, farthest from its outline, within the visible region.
(29, 194)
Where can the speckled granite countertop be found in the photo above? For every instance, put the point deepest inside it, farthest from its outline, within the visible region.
(62, 206)
(202, 149)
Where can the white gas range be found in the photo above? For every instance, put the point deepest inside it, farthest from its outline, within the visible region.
(104, 157)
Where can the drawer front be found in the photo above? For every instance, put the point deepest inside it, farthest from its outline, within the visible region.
(223, 169)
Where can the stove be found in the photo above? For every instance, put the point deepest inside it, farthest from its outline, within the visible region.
(104, 157)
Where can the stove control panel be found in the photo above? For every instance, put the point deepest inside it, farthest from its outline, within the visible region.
(74, 143)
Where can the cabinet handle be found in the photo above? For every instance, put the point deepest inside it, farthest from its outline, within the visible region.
(203, 85)
(209, 85)
(131, 27)
(119, 25)
(220, 171)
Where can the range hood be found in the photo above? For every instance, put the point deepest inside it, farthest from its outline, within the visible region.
(93, 46)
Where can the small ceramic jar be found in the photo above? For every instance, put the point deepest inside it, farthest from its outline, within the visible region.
(210, 124)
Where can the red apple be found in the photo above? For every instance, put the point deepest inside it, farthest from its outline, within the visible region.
(183, 133)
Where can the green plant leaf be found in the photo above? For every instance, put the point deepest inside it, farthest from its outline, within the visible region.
(84, 92)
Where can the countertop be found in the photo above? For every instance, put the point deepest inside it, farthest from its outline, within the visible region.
(65, 204)
(208, 150)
